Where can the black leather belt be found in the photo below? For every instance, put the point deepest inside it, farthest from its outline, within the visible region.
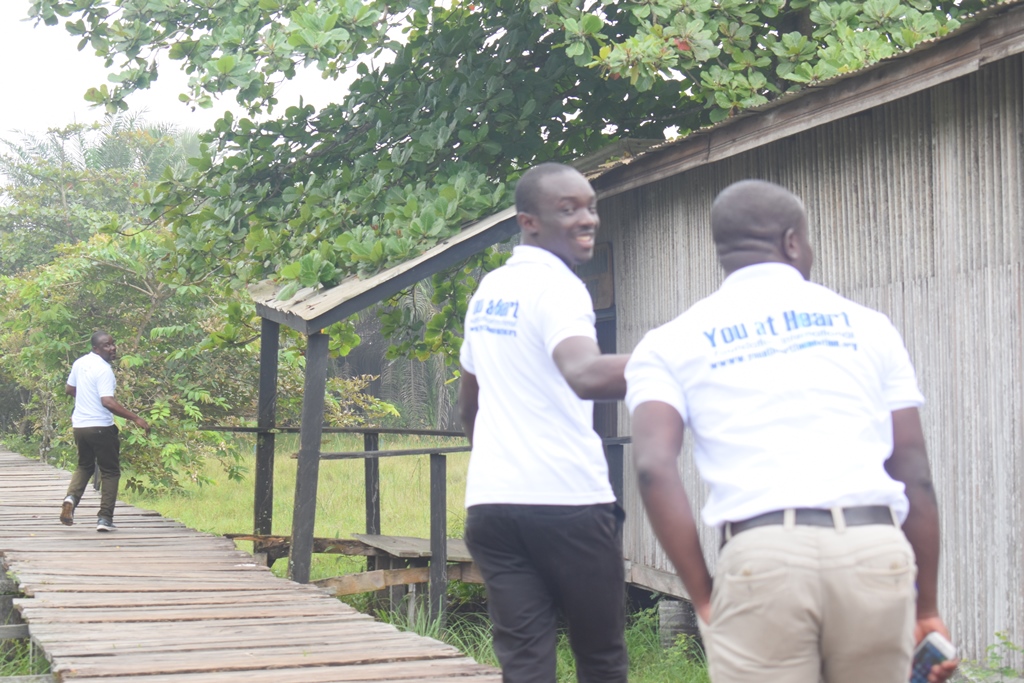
(854, 516)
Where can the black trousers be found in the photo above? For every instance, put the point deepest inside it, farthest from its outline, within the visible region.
(98, 447)
(539, 560)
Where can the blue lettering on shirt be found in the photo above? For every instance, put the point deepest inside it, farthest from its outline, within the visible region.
(494, 316)
(801, 330)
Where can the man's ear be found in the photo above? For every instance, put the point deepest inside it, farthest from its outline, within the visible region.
(527, 223)
(791, 244)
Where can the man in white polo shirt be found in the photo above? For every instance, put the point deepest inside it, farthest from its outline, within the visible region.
(92, 384)
(804, 411)
(542, 524)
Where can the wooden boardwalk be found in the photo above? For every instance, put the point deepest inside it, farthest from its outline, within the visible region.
(156, 602)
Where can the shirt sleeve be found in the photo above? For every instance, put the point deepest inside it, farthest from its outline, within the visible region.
(73, 377)
(570, 314)
(465, 353)
(105, 383)
(899, 381)
(649, 378)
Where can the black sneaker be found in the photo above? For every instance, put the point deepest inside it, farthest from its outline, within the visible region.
(104, 524)
(67, 511)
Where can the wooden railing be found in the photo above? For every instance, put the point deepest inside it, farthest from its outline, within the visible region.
(371, 453)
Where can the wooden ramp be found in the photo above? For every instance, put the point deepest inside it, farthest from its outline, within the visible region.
(156, 602)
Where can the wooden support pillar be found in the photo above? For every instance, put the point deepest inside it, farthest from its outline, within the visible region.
(371, 442)
(263, 504)
(310, 433)
(371, 488)
(438, 536)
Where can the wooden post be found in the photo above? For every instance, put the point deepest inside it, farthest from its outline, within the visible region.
(438, 536)
(263, 504)
(310, 432)
(371, 468)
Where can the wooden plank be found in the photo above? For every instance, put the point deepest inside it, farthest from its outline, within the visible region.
(366, 582)
(85, 615)
(140, 599)
(341, 546)
(199, 645)
(248, 659)
(455, 670)
(120, 634)
(655, 580)
(411, 547)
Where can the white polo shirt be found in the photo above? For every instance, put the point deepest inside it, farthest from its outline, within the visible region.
(92, 378)
(788, 390)
(533, 440)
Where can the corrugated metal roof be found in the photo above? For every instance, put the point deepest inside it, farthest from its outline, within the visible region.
(968, 23)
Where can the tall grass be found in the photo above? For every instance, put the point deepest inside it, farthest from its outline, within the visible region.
(21, 658)
(648, 661)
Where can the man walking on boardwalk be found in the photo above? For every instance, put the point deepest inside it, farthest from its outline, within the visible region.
(804, 410)
(542, 524)
(92, 384)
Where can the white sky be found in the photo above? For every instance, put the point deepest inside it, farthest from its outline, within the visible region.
(45, 78)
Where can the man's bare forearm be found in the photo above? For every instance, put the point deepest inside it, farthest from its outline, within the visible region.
(657, 440)
(909, 464)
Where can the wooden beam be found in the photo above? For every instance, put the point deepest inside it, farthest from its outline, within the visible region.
(655, 580)
(327, 546)
(311, 311)
(263, 504)
(337, 430)
(304, 517)
(351, 455)
(13, 631)
(438, 536)
(368, 582)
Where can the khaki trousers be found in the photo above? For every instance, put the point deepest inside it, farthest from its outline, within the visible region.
(803, 604)
(98, 447)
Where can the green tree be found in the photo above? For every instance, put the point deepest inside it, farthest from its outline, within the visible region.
(450, 103)
(188, 353)
(65, 185)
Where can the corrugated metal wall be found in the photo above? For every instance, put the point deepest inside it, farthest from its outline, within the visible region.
(916, 209)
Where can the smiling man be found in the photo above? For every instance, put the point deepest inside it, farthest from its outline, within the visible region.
(92, 383)
(542, 524)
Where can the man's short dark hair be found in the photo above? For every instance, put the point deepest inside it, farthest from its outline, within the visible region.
(97, 336)
(529, 186)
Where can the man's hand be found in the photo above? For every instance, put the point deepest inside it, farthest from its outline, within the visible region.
(142, 423)
(924, 626)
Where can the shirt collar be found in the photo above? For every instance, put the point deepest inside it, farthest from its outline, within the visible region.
(763, 271)
(527, 253)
